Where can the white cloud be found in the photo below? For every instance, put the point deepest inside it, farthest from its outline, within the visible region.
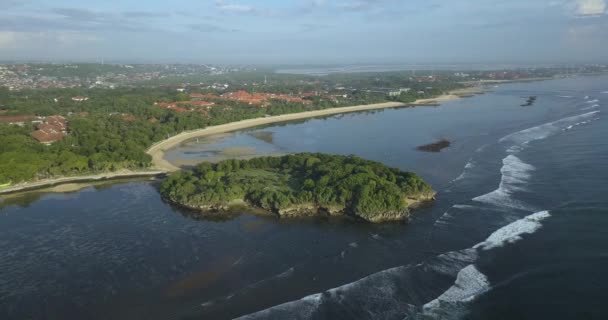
(233, 7)
(7, 39)
(590, 7)
(29, 40)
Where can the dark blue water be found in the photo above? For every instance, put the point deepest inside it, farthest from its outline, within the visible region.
(518, 231)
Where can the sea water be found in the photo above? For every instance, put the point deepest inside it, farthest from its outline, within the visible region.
(517, 232)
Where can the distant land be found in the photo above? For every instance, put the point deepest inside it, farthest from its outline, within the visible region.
(78, 120)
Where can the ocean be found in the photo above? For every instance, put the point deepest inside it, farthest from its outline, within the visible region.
(517, 231)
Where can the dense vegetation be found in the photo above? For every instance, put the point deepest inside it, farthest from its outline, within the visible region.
(112, 130)
(301, 183)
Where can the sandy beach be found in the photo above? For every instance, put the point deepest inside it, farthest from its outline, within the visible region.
(157, 151)
(67, 181)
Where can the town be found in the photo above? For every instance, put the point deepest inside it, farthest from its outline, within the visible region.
(65, 91)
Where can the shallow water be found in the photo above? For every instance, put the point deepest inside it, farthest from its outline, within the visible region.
(517, 231)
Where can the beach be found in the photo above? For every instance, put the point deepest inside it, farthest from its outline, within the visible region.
(161, 166)
(157, 151)
(123, 174)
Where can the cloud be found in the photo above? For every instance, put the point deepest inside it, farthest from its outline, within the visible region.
(76, 19)
(233, 7)
(40, 40)
(587, 8)
(81, 14)
(145, 14)
(7, 4)
(205, 27)
(7, 39)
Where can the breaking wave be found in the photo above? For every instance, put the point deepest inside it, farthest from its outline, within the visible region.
(470, 165)
(469, 283)
(545, 130)
(411, 291)
(591, 107)
(442, 286)
(515, 175)
(512, 232)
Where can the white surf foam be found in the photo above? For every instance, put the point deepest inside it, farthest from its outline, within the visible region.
(515, 175)
(470, 165)
(469, 283)
(591, 107)
(447, 216)
(593, 101)
(605, 92)
(545, 130)
(379, 294)
(513, 232)
(568, 97)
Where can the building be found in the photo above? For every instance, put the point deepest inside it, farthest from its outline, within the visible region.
(170, 106)
(80, 98)
(398, 92)
(197, 103)
(201, 96)
(17, 120)
(53, 129)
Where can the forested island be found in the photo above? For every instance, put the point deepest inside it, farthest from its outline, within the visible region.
(306, 184)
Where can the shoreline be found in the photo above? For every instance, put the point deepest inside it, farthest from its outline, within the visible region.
(303, 210)
(43, 184)
(157, 151)
(160, 166)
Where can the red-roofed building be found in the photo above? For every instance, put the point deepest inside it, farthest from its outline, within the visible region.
(196, 103)
(52, 130)
(170, 106)
(18, 120)
(203, 96)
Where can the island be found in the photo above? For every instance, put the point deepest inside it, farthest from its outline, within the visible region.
(435, 146)
(305, 184)
(529, 102)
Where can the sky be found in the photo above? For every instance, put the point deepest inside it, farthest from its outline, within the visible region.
(305, 31)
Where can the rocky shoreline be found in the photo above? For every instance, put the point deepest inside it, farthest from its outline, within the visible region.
(307, 210)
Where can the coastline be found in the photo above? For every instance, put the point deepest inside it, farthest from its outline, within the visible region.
(307, 209)
(160, 166)
(157, 151)
(42, 184)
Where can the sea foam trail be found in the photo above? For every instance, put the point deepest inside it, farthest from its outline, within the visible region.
(406, 291)
(513, 232)
(545, 130)
(469, 283)
(591, 107)
(388, 294)
(515, 176)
